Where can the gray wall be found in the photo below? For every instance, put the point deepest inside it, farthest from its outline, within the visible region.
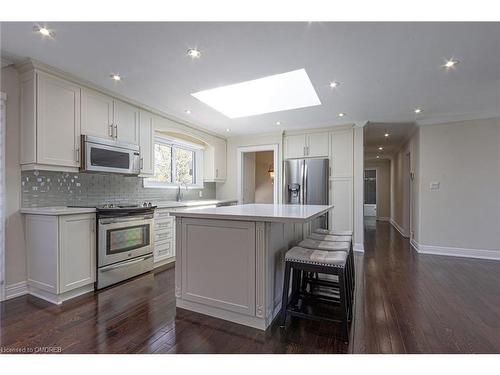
(43, 188)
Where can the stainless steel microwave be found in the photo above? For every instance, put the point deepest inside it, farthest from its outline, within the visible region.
(105, 155)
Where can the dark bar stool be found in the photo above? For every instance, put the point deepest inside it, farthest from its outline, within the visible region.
(303, 304)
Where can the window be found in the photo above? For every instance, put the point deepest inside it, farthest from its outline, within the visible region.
(176, 162)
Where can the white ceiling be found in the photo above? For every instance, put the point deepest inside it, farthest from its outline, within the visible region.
(385, 70)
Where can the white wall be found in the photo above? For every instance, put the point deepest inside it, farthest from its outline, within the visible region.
(383, 168)
(464, 157)
(15, 249)
(228, 189)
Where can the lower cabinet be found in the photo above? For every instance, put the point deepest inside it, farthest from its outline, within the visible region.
(164, 247)
(61, 255)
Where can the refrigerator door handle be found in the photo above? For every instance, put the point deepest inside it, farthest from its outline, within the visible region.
(304, 201)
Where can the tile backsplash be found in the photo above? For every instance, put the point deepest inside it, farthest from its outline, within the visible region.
(44, 188)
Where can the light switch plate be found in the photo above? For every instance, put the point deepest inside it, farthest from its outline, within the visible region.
(434, 185)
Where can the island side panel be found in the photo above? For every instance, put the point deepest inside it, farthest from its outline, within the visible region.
(218, 264)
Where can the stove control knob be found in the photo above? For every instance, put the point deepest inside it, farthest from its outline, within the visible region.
(144, 204)
(150, 204)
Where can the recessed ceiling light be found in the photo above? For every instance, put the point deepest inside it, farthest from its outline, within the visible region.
(334, 84)
(115, 77)
(418, 110)
(450, 63)
(380, 148)
(341, 114)
(187, 111)
(43, 31)
(193, 53)
(279, 92)
(386, 135)
(228, 130)
(278, 123)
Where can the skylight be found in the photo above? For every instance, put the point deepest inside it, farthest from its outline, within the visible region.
(279, 92)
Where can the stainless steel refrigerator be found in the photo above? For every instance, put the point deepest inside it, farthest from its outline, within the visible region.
(306, 182)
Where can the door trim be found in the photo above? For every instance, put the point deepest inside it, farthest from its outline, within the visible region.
(277, 170)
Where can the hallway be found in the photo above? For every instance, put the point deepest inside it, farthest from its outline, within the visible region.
(405, 303)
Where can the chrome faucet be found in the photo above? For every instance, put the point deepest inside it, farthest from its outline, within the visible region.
(179, 194)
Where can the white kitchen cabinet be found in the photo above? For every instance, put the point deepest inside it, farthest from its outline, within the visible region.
(146, 141)
(50, 121)
(341, 217)
(295, 146)
(341, 154)
(76, 251)
(97, 114)
(164, 247)
(214, 159)
(126, 122)
(61, 255)
(306, 145)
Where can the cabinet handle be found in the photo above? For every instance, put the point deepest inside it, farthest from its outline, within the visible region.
(110, 130)
(142, 164)
(77, 155)
(305, 151)
(116, 131)
(216, 172)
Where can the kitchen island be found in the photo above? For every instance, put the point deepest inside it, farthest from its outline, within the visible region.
(230, 260)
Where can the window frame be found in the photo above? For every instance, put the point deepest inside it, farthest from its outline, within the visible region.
(197, 164)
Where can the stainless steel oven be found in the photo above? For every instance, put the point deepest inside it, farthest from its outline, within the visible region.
(125, 244)
(106, 155)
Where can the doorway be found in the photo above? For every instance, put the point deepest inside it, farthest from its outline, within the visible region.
(370, 187)
(258, 174)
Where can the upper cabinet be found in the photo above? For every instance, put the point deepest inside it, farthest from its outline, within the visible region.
(342, 148)
(97, 114)
(214, 158)
(103, 116)
(50, 121)
(306, 145)
(126, 122)
(147, 123)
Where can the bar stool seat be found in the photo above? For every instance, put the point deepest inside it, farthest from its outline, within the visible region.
(334, 232)
(309, 243)
(329, 237)
(317, 257)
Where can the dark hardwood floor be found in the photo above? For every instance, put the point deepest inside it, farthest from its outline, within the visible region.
(405, 303)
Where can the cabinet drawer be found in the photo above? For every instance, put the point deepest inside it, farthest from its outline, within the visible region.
(159, 214)
(164, 249)
(163, 225)
(163, 236)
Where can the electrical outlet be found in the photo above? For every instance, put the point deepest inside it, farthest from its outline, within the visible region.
(200, 193)
(434, 186)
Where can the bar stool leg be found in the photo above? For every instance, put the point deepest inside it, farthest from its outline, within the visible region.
(343, 307)
(284, 298)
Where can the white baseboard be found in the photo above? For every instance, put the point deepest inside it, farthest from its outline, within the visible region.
(455, 251)
(398, 228)
(359, 247)
(383, 218)
(57, 299)
(16, 290)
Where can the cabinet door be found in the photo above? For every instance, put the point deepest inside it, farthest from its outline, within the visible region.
(58, 122)
(146, 138)
(220, 160)
(295, 146)
(317, 144)
(76, 251)
(341, 217)
(97, 114)
(126, 121)
(342, 153)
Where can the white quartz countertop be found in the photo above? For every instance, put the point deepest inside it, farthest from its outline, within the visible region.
(258, 212)
(56, 210)
(194, 203)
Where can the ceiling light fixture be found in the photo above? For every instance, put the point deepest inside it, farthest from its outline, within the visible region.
(279, 92)
(380, 148)
(386, 135)
(449, 64)
(228, 130)
(418, 110)
(187, 111)
(194, 53)
(278, 123)
(378, 157)
(334, 84)
(341, 114)
(43, 31)
(115, 77)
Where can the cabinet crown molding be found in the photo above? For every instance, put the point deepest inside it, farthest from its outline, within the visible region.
(319, 130)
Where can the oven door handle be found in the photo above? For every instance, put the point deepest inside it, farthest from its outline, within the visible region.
(124, 264)
(124, 219)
